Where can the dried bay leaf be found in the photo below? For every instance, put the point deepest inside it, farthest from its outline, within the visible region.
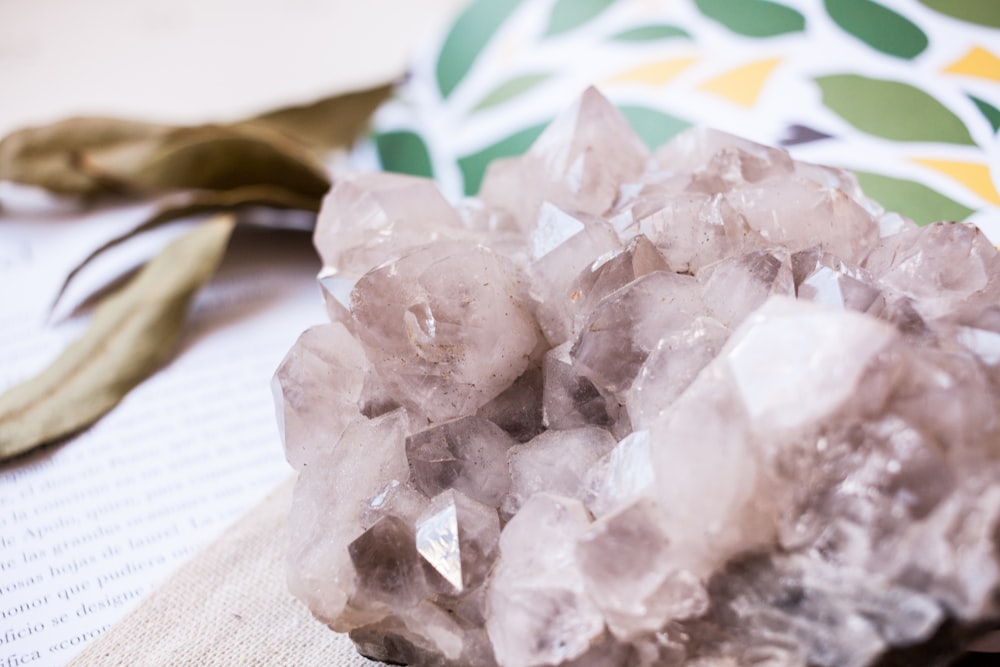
(196, 202)
(100, 156)
(49, 156)
(329, 123)
(211, 157)
(132, 333)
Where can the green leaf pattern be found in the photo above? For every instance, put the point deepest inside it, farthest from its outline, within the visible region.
(753, 18)
(884, 101)
(914, 200)
(982, 12)
(467, 38)
(990, 112)
(653, 126)
(510, 88)
(891, 109)
(650, 32)
(569, 14)
(878, 26)
(404, 152)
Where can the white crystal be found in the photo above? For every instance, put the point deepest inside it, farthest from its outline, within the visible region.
(793, 363)
(448, 327)
(537, 612)
(370, 218)
(577, 163)
(637, 589)
(316, 390)
(709, 408)
(556, 462)
(437, 542)
(457, 536)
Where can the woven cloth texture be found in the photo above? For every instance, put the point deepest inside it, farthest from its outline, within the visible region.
(227, 606)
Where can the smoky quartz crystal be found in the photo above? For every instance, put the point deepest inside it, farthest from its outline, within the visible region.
(704, 406)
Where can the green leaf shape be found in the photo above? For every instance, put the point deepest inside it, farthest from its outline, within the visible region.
(474, 166)
(991, 112)
(650, 33)
(569, 14)
(466, 39)
(914, 200)
(132, 333)
(510, 89)
(753, 18)
(654, 127)
(879, 27)
(892, 110)
(982, 12)
(404, 152)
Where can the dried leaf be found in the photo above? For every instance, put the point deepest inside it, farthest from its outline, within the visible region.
(210, 157)
(329, 123)
(131, 334)
(196, 202)
(99, 156)
(49, 156)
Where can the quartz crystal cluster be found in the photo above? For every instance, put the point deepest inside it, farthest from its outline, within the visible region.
(701, 406)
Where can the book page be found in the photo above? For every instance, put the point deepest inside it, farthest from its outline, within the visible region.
(88, 527)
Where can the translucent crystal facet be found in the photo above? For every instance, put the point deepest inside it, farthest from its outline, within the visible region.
(370, 218)
(448, 327)
(467, 454)
(705, 407)
(458, 537)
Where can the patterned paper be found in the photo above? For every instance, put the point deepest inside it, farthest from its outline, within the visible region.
(905, 93)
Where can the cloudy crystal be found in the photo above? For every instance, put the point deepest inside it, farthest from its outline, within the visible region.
(467, 454)
(537, 610)
(709, 407)
(638, 589)
(370, 218)
(316, 390)
(578, 163)
(448, 327)
(626, 325)
(555, 461)
(570, 399)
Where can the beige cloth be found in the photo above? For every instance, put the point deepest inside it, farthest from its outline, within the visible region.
(227, 606)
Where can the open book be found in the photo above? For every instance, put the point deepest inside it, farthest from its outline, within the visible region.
(88, 527)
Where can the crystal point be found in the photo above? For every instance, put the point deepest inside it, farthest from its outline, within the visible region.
(467, 454)
(370, 218)
(577, 163)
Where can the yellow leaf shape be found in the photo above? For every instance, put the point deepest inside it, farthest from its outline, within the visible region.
(743, 84)
(973, 175)
(977, 62)
(654, 74)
